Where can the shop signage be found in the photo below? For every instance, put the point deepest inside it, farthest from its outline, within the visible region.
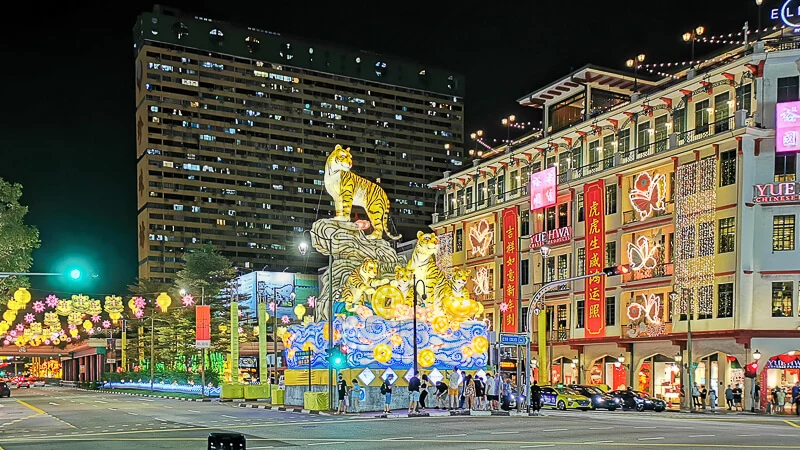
(543, 188)
(510, 269)
(513, 339)
(247, 362)
(777, 193)
(594, 196)
(779, 364)
(551, 237)
(508, 365)
(787, 134)
(203, 326)
(788, 13)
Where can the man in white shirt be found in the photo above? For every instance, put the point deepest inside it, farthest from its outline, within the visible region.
(491, 392)
(452, 388)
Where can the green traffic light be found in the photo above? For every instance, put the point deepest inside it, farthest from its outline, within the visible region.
(75, 274)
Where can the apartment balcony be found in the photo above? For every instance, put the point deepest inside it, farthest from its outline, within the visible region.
(559, 335)
(659, 271)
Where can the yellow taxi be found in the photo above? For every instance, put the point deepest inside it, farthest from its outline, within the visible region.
(561, 397)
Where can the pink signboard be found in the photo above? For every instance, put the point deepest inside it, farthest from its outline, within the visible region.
(788, 127)
(543, 188)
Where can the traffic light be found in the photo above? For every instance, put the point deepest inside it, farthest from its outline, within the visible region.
(621, 269)
(336, 358)
(74, 274)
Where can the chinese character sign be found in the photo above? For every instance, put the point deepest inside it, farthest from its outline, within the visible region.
(787, 137)
(203, 326)
(593, 195)
(510, 270)
(543, 188)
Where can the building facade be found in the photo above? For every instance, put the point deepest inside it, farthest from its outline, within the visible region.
(677, 177)
(234, 125)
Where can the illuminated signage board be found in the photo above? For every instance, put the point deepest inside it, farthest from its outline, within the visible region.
(787, 136)
(543, 188)
(552, 237)
(788, 13)
(777, 193)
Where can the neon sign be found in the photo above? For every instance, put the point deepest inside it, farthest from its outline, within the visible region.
(777, 193)
(481, 238)
(647, 194)
(787, 137)
(543, 188)
(551, 237)
(641, 255)
(789, 14)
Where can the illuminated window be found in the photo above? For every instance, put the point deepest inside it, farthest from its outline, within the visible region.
(177, 207)
(725, 300)
(701, 117)
(581, 261)
(744, 97)
(253, 44)
(611, 199)
(563, 267)
(624, 140)
(785, 167)
(579, 313)
(783, 233)
(727, 168)
(380, 69)
(782, 298)
(727, 234)
(216, 36)
(611, 254)
(611, 311)
(221, 221)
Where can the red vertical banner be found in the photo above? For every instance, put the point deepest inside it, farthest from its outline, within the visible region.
(594, 203)
(510, 270)
(203, 324)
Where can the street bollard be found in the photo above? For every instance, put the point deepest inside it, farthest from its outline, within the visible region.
(226, 441)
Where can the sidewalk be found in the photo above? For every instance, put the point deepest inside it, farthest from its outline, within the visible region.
(400, 413)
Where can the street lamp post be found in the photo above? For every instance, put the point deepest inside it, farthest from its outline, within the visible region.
(508, 122)
(424, 298)
(689, 347)
(634, 64)
(678, 358)
(691, 36)
(758, 3)
(476, 136)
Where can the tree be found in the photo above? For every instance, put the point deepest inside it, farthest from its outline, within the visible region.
(17, 240)
(206, 269)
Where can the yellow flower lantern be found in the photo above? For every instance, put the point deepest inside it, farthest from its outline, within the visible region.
(115, 316)
(87, 325)
(223, 327)
(382, 353)
(132, 304)
(300, 311)
(22, 296)
(56, 341)
(73, 332)
(426, 358)
(163, 301)
(3, 327)
(10, 316)
(480, 344)
(13, 305)
(282, 331)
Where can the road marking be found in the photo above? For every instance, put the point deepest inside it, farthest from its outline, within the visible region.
(701, 435)
(651, 438)
(506, 432)
(191, 410)
(251, 448)
(99, 401)
(327, 443)
(451, 435)
(599, 442)
(644, 428)
(133, 414)
(168, 407)
(160, 420)
(112, 409)
(537, 446)
(792, 423)
(553, 429)
(40, 411)
(54, 404)
(746, 435)
(229, 417)
(601, 428)
(398, 438)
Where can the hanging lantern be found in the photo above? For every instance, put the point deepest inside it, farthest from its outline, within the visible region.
(10, 316)
(94, 308)
(300, 311)
(22, 296)
(73, 332)
(13, 305)
(115, 316)
(88, 325)
(163, 301)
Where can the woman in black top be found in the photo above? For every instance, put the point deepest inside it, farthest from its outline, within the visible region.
(479, 388)
(423, 387)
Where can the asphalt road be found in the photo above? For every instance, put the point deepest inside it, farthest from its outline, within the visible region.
(62, 419)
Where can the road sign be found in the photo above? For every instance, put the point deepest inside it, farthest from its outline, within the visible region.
(111, 361)
(302, 354)
(513, 339)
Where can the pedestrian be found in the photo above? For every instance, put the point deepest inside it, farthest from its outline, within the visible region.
(281, 382)
(536, 398)
(737, 397)
(462, 398)
(423, 394)
(469, 391)
(413, 394)
(342, 387)
(781, 397)
(478, 392)
(355, 396)
(729, 397)
(774, 398)
(756, 397)
(491, 392)
(441, 394)
(498, 389)
(712, 399)
(695, 396)
(506, 395)
(796, 397)
(703, 396)
(452, 391)
(386, 391)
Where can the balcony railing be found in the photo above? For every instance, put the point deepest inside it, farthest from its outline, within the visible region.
(633, 216)
(659, 271)
(674, 141)
(559, 335)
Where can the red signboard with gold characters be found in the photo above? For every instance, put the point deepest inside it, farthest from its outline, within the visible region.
(593, 197)
(510, 270)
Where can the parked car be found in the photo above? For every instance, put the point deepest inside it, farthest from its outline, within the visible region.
(5, 391)
(599, 398)
(639, 401)
(35, 382)
(564, 398)
(23, 382)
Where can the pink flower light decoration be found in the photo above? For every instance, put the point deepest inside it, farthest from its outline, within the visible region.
(29, 317)
(312, 301)
(12, 333)
(285, 319)
(20, 327)
(91, 332)
(504, 307)
(69, 339)
(106, 324)
(96, 318)
(139, 314)
(47, 341)
(241, 330)
(187, 300)
(139, 302)
(61, 332)
(272, 306)
(71, 327)
(6, 342)
(241, 313)
(52, 301)
(38, 306)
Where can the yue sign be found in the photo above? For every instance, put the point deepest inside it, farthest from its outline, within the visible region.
(777, 193)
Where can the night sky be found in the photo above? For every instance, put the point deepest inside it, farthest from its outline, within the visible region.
(68, 87)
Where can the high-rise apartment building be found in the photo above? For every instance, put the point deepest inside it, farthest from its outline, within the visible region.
(234, 125)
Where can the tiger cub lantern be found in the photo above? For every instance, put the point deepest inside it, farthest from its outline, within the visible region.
(348, 189)
(359, 287)
(454, 300)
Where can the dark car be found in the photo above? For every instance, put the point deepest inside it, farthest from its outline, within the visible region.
(639, 401)
(599, 398)
(5, 391)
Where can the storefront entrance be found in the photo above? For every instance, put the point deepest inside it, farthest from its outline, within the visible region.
(660, 376)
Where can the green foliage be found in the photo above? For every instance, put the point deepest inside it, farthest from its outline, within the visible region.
(17, 240)
(205, 270)
(164, 376)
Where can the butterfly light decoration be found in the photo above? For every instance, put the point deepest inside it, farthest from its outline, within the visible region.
(649, 309)
(647, 194)
(481, 237)
(641, 255)
(481, 281)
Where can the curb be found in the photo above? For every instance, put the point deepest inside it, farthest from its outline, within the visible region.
(281, 408)
(104, 391)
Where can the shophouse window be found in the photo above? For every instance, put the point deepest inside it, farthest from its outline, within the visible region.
(550, 161)
(643, 136)
(611, 199)
(525, 223)
(577, 156)
(550, 269)
(563, 114)
(502, 281)
(679, 120)
(788, 89)
(481, 194)
(783, 233)
(727, 234)
(608, 151)
(611, 254)
(581, 261)
(491, 190)
(594, 155)
(744, 97)
(580, 207)
(725, 300)
(782, 297)
(624, 140)
(580, 311)
(705, 299)
(564, 162)
(563, 267)
(611, 311)
(785, 167)
(727, 168)
(460, 240)
(501, 187)
(563, 215)
(721, 112)
(550, 218)
(525, 176)
(661, 128)
(514, 182)
(525, 272)
(468, 199)
(701, 116)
